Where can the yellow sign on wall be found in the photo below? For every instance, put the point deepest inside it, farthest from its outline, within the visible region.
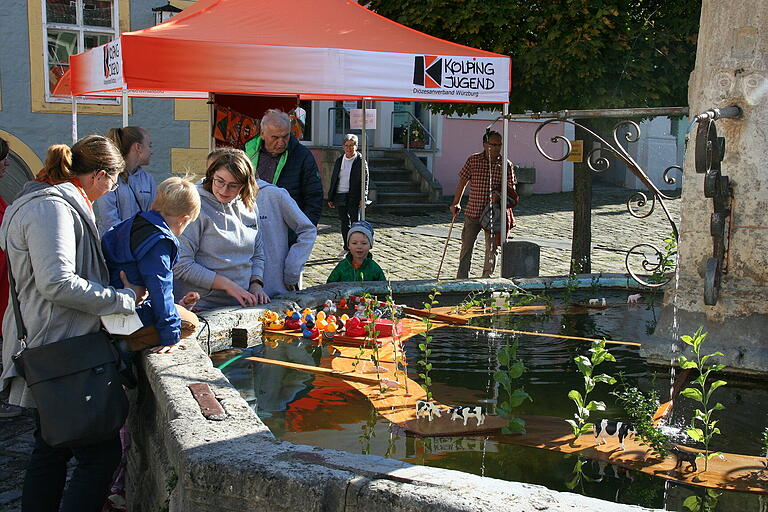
(577, 151)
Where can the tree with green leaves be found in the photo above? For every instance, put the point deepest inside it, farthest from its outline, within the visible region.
(571, 54)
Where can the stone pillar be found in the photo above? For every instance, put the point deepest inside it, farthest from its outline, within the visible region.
(731, 69)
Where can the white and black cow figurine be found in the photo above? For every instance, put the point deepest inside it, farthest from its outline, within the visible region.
(466, 412)
(424, 408)
(610, 428)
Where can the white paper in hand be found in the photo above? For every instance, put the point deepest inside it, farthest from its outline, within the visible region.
(122, 324)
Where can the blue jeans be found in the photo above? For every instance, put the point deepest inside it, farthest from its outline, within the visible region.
(47, 472)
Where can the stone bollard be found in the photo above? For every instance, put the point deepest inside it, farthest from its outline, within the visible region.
(520, 259)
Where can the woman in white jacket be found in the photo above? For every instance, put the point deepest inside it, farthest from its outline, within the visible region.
(49, 235)
(221, 253)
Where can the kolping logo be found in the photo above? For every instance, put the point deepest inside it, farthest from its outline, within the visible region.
(428, 71)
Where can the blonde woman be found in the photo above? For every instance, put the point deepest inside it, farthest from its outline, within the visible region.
(222, 253)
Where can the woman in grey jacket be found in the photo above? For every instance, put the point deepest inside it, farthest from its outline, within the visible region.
(50, 237)
(221, 254)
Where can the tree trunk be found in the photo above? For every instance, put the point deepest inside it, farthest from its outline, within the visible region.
(581, 243)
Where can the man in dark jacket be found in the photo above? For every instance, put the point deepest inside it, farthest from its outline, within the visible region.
(280, 159)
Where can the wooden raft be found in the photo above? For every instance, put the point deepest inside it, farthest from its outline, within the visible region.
(735, 472)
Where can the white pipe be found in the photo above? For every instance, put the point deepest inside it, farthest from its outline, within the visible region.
(503, 209)
(74, 119)
(124, 102)
(363, 167)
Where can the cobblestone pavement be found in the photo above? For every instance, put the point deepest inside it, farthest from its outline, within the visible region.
(410, 247)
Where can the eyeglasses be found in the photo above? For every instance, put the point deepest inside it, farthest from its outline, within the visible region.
(113, 181)
(232, 187)
(352, 145)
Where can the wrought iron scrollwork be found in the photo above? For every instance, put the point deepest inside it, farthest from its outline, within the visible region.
(709, 153)
(639, 205)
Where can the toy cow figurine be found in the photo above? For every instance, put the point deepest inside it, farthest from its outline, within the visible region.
(465, 412)
(424, 408)
(610, 428)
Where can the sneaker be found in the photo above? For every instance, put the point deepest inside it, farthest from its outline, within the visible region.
(9, 411)
(342, 254)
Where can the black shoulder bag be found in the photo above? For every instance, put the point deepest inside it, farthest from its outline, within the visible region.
(75, 382)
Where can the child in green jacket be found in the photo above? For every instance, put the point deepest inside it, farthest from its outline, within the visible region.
(358, 265)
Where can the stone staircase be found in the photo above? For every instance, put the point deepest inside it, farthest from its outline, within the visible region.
(401, 184)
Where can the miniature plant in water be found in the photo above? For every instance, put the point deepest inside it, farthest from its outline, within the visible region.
(640, 408)
(667, 261)
(511, 368)
(474, 299)
(572, 282)
(702, 428)
(707, 502)
(424, 364)
(586, 365)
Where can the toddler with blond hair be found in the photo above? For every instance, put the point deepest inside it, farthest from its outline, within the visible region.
(146, 248)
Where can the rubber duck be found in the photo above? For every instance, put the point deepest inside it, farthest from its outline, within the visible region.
(320, 315)
(342, 303)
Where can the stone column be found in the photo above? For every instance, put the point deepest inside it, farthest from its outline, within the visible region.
(731, 69)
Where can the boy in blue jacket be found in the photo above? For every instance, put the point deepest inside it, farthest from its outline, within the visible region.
(146, 248)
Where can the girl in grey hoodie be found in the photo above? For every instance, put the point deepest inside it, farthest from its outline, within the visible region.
(221, 253)
(279, 213)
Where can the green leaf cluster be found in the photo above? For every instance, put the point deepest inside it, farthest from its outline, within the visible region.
(640, 408)
(702, 427)
(570, 54)
(586, 365)
(704, 503)
(510, 369)
(423, 363)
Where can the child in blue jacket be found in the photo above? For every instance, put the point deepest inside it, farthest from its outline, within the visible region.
(146, 248)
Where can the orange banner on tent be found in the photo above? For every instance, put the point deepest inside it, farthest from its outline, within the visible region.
(233, 128)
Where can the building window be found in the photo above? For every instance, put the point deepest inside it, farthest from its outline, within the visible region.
(74, 26)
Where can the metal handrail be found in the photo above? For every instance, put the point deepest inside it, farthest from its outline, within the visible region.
(408, 138)
(332, 120)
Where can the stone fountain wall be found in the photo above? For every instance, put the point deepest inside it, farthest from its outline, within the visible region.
(731, 69)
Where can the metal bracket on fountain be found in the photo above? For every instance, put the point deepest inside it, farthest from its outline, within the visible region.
(709, 154)
(639, 205)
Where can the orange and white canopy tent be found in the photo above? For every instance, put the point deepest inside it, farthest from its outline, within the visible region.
(314, 49)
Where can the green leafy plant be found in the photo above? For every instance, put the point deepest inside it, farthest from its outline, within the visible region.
(594, 284)
(372, 314)
(416, 131)
(578, 476)
(572, 282)
(474, 299)
(667, 260)
(702, 427)
(764, 442)
(587, 365)
(640, 408)
(707, 502)
(424, 363)
(511, 368)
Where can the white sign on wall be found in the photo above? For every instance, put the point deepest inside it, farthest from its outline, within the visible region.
(356, 118)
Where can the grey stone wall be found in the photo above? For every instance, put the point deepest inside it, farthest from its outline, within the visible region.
(731, 69)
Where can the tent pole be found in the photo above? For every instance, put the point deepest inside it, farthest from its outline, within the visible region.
(503, 209)
(363, 167)
(74, 119)
(124, 102)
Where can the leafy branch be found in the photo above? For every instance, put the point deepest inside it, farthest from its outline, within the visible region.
(702, 428)
(512, 368)
(424, 363)
(586, 366)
